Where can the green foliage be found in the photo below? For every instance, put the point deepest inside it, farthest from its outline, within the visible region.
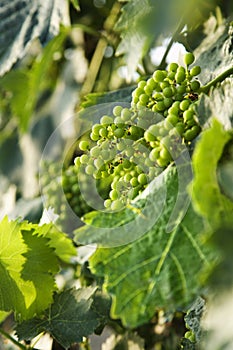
(23, 22)
(29, 260)
(156, 270)
(214, 206)
(31, 82)
(74, 314)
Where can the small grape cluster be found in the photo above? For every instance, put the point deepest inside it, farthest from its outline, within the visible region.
(133, 145)
(63, 189)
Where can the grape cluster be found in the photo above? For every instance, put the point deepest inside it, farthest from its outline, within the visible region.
(64, 188)
(133, 145)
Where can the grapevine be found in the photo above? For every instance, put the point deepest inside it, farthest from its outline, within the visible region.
(133, 145)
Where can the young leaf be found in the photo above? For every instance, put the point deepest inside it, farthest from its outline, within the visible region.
(75, 314)
(26, 263)
(157, 269)
(215, 207)
(22, 22)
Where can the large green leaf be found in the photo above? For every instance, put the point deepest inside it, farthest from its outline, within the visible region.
(75, 314)
(157, 269)
(28, 264)
(209, 201)
(22, 21)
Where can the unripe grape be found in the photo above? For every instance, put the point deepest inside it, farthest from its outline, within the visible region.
(142, 84)
(83, 145)
(162, 162)
(95, 151)
(188, 115)
(195, 71)
(94, 137)
(159, 75)
(89, 170)
(84, 159)
(172, 119)
(172, 67)
(134, 181)
(189, 58)
(113, 195)
(142, 179)
(168, 92)
(117, 111)
(184, 105)
(126, 114)
(117, 205)
(167, 102)
(195, 85)
(106, 120)
(103, 132)
(107, 203)
(119, 133)
(154, 154)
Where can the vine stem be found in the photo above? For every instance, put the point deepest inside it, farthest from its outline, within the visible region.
(206, 88)
(8, 336)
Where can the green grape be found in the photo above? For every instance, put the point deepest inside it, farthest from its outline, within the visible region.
(106, 120)
(95, 151)
(189, 58)
(117, 111)
(188, 115)
(103, 132)
(83, 145)
(142, 84)
(184, 105)
(84, 159)
(172, 119)
(195, 71)
(168, 92)
(107, 203)
(118, 133)
(113, 195)
(154, 154)
(159, 75)
(134, 181)
(89, 169)
(95, 129)
(142, 179)
(126, 114)
(94, 137)
(117, 205)
(172, 67)
(195, 85)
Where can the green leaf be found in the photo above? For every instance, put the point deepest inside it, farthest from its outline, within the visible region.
(157, 269)
(218, 104)
(25, 85)
(24, 21)
(121, 95)
(75, 314)
(59, 242)
(26, 263)
(214, 206)
(143, 21)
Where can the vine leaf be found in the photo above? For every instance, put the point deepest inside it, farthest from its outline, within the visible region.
(28, 259)
(156, 270)
(31, 82)
(214, 206)
(142, 21)
(75, 314)
(24, 21)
